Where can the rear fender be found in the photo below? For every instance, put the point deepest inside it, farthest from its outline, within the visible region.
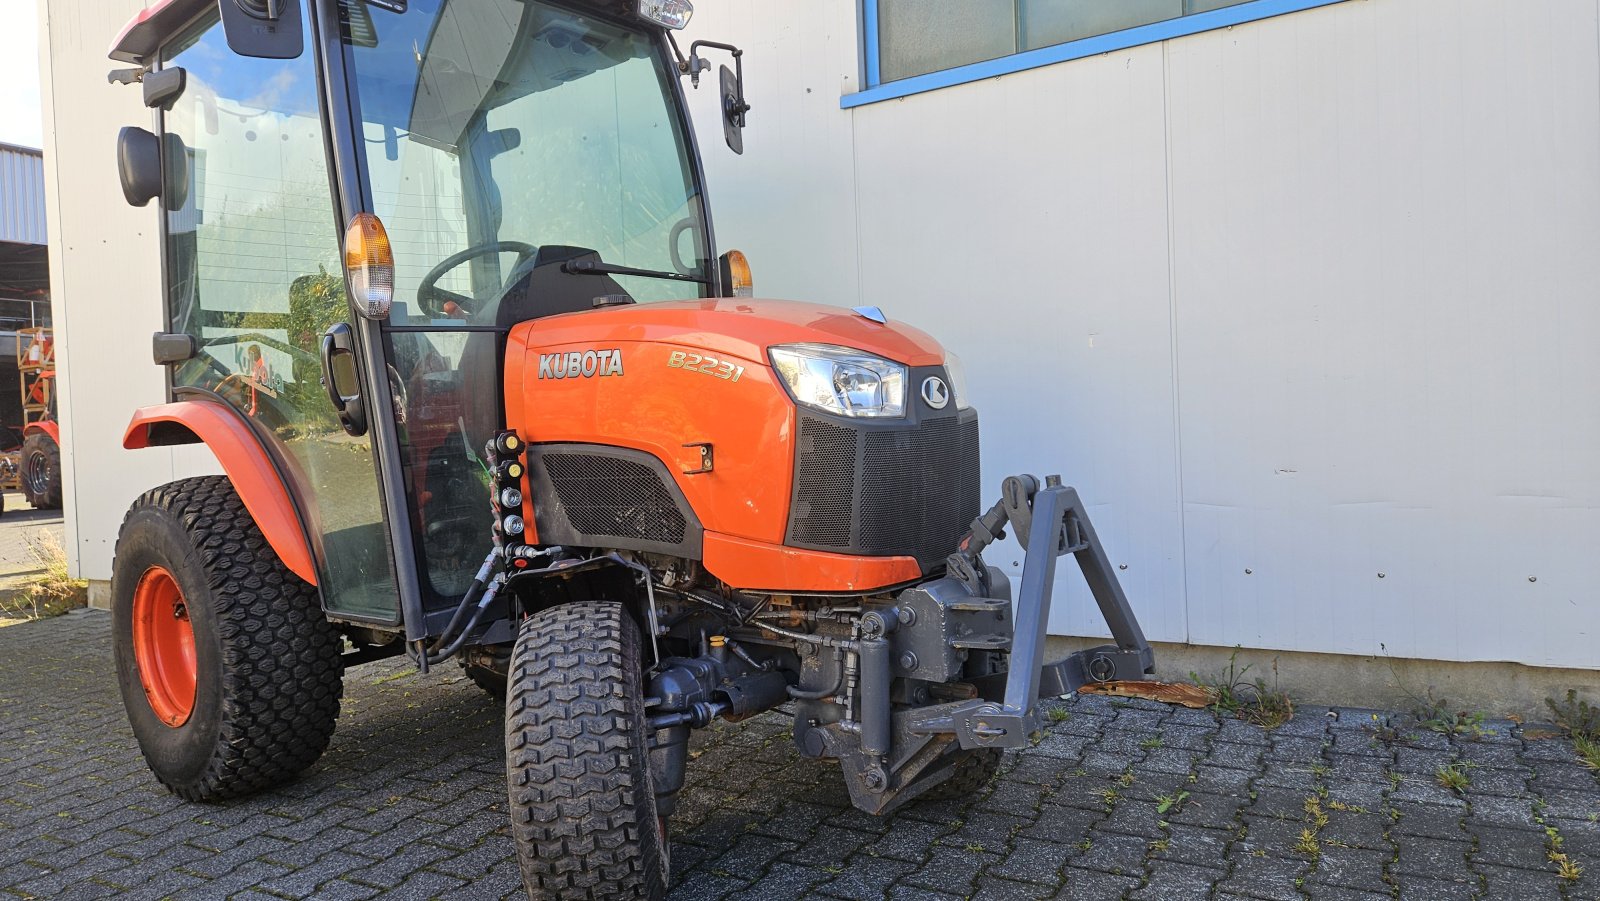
(245, 461)
(48, 427)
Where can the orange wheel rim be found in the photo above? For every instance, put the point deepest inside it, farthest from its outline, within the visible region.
(163, 646)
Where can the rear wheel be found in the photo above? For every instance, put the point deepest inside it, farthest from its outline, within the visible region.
(41, 471)
(583, 808)
(230, 674)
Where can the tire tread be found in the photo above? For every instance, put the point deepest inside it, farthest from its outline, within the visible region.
(281, 668)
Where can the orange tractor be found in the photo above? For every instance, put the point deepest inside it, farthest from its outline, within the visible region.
(443, 298)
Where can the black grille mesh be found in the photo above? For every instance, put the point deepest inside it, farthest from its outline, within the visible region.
(607, 497)
(826, 484)
(911, 491)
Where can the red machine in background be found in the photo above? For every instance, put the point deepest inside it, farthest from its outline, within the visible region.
(39, 469)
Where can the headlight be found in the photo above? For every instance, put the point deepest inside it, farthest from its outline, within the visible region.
(840, 380)
(957, 371)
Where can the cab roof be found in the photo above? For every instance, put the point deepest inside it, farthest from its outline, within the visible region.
(138, 40)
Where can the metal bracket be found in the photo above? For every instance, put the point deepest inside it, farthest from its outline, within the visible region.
(1051, 521)
(706, 461)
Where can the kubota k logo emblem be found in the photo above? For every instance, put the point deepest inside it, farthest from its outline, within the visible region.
(935, 392)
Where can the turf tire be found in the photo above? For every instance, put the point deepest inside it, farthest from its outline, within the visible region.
(267, 664)
(582, 798)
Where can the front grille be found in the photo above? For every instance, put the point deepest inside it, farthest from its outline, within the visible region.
(608, 497)
(907, 490)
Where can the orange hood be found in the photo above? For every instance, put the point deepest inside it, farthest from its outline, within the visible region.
(739, 327)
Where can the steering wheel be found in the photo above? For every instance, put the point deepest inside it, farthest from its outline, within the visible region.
(432, 298)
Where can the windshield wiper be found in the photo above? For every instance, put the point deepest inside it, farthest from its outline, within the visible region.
(590, 267)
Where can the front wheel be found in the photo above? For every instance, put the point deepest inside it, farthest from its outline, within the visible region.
(230, 674)
(583, 807)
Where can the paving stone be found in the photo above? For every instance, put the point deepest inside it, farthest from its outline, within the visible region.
(783, 882)
(1213, 811)
(1173, 881)
(1429, 857)
(1359, 868)
(1490, 810)
(1092, 885)
(1195, 846)
(1271, 836)
(1504, 847)
(951, 870)
(1222, 780)
(1320, 892)
(1062, 825)
(1360, 830)
(993, 888)
(1236, 755)
(408, 802)
(1030, 860)
(1417, 787)
(992, 830)
(1119, 855)
(865, 877)
(1502, 884)
(1429, 821)
(1134, 817)
(1267, 878)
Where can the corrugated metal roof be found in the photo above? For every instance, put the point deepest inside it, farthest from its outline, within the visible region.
(21, 195)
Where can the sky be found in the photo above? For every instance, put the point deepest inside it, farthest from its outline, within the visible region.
(19, 72)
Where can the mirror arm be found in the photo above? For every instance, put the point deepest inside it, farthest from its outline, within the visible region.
(698, 64)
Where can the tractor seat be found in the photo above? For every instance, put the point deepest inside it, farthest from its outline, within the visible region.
(534, 290)
(539, 288)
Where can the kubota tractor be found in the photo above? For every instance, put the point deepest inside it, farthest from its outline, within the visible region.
(443, 297)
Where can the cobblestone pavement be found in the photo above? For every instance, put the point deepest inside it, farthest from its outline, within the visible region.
(1119, 800)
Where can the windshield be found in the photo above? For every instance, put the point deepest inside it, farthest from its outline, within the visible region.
(518, 153)
(502, 134)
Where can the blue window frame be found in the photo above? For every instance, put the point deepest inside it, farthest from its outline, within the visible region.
(899, 76)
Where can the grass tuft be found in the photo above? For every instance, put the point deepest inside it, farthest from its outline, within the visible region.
(1454, 777)
(51, 592)
(1251, 700)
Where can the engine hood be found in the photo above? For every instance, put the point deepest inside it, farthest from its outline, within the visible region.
(737, 327)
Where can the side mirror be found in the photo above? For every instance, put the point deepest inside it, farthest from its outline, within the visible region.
(734, 106)
(139, 165)
(178, 166)
(269, 29)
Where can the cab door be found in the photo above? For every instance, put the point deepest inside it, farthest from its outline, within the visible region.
(253, 272)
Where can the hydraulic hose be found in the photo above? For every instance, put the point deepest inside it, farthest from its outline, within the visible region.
(468, 599)
(489, 594)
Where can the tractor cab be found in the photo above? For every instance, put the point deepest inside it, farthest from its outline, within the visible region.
(443, 297)
(496, 161)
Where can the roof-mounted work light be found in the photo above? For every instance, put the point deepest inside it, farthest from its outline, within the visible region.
(667, 13)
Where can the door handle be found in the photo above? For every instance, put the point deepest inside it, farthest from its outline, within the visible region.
(339, 350)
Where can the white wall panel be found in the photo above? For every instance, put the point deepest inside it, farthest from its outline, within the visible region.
(1385, 282)
(1376, 309)
(105, 281)
(1023, 222)
(789, 201)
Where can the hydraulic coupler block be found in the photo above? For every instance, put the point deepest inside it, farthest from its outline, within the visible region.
(942, 623)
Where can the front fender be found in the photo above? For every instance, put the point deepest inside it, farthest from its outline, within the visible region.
(46, 427)
(244, 460)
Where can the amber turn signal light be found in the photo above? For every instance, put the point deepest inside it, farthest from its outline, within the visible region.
(736, 280)
(369, 266)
